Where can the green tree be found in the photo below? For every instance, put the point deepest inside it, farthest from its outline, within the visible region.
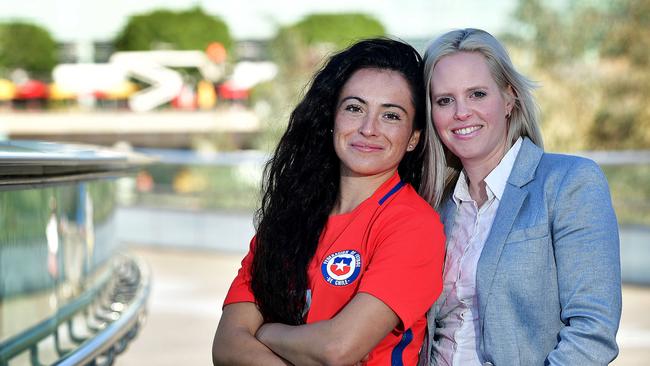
(558, 34)
(298, 50)
(628, 36)
(165, 29)
(27, 46)
(337, 29)
(592, 62)
(623, 118)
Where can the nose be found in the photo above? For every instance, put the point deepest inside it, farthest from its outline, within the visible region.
(462, 111)
(368, 125)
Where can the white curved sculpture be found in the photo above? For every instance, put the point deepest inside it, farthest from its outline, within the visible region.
(151, 67)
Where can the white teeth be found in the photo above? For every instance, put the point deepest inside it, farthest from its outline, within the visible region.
(466, 130)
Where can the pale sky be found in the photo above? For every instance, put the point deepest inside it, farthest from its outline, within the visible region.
(84, 20)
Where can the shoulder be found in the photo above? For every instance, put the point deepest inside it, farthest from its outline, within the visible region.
(535, 165)
(408, 202)
(567, 168)
(407, 211)
(570, 180)
(408, 224)
(564, 161)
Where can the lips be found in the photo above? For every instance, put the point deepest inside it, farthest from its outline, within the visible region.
(366, 147)
(464, 131)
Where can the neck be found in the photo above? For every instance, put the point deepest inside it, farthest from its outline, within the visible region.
(477, 170)
(477, 189)
(355, 189)
(476, 176)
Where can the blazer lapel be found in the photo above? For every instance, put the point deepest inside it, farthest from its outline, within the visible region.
(447, 213)
(522, 173)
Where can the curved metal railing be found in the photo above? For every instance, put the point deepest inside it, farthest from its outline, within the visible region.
(113, 311)
(59, 256)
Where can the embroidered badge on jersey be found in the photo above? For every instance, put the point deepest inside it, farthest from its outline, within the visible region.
(341, 268)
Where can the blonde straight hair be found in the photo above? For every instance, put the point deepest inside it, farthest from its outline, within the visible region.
(444, 167)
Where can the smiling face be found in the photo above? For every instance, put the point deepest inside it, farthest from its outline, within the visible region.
(373, 124)
(469, 109)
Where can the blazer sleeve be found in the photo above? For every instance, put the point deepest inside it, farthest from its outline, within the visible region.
(586, 244)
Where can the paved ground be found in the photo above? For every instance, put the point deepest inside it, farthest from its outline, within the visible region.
(189, 287)
(184, 307)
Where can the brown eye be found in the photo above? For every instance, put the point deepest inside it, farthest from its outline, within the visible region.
(392, 116)
(353, 108)
(443, 101)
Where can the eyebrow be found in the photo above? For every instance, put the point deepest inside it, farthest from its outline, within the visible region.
(472, 88)
(385, 105)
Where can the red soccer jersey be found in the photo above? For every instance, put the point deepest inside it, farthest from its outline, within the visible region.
(392, 247)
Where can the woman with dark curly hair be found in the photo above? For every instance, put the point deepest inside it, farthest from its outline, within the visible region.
(347, 257)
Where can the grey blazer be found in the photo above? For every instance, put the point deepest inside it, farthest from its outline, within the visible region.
(549, 277)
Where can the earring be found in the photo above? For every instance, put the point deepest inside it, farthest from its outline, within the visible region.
(410, 147)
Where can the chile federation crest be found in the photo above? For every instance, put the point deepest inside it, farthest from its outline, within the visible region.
(341, 268)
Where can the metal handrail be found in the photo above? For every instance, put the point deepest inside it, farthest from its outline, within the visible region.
(108, 340)
(115, 336)
(617, 157)
(24, 340)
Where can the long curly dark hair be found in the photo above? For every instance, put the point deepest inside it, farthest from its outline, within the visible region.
(301, 183)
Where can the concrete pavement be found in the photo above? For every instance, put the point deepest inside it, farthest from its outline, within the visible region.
(189, 287)
(184, 306)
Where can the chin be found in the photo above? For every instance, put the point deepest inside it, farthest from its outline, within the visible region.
(371, 172)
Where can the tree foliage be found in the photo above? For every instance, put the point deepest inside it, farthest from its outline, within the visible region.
(592, 60)
(298, 50)
(628, 35)
(27, 46)
(337, 29)
(559, 35)
(165, 29)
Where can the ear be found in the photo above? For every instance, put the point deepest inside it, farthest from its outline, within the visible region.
(510, 98)
(413, 141)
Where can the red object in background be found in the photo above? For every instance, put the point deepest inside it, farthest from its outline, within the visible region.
(186, 99)
(99, 95)
(228, 91)
(144, 182)
(32, 89)
(216, 52)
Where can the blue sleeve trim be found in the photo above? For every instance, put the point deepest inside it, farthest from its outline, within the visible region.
(396, 356)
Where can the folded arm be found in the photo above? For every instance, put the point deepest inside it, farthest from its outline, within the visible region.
(235, 343)
(342, 340)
